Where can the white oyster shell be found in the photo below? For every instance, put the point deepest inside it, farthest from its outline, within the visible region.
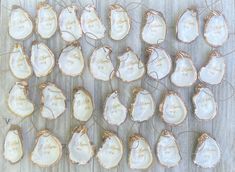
(207, 153)
(185, 73)
(154, 30)
(216, 29)
(205, 106)
(91, 24)
(46, 20)
(111, 151)
(173, 109)
(53, 101)
(101, 66)
(13, 147)
(82, 105)
(130, 68)
(47, 150)
(140, 155)
(18, 100)
(114, 111)
(19, 62)
(167, 150)
(79, 147)
(143, 106)
(20, 24)
(69, 24)
(213, 72)
(159, 63)
(119, 22)
(187, 27)
(71, 61)
(42, 59)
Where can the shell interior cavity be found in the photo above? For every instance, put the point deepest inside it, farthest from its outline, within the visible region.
(173, 109)
(140, 155)
(82, 105)
(130, 68)
(19, 62)
(187, 28)
(13, 147)
(47, 150)
(91, 23)
(80, 147)
(101, 66)
(167, 150)
(18, 100)
(111, 151)
(71, 61)
(114, 111)
(205, 106)
(119, 21)
(53, 101)
(154, 30)
(213, 72)
(42, 59)
(159, 63)
(185, 73)
(46, 20)
(143, 106)
(69, 24)
(216, 29)
(207, 153)
(20, 24)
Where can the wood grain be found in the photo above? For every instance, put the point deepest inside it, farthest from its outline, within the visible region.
(222, 127)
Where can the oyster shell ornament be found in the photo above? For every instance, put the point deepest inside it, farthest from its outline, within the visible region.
(19, 62)
(13, 146)
(46, 20)
(71, 61)
(101, 66)
(205, 106)
(114, 111)
(140, 156)
(216, 29)
(91, 23)
(207, 153)
(185, 73)
(80, 148)
(82, 105)
(20, 24)
(18, 101)
(130, 67)
(47, 150)
(42, 59)
(213, 72)
(110, 153)
(173, 110)
(154, 30)
(69, 24)
(52, 100)
(167, 150)
(159, 63)
(187, 27)
(143, 106)
(119, 22)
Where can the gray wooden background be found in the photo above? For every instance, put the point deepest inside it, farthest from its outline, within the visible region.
(222, 127)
